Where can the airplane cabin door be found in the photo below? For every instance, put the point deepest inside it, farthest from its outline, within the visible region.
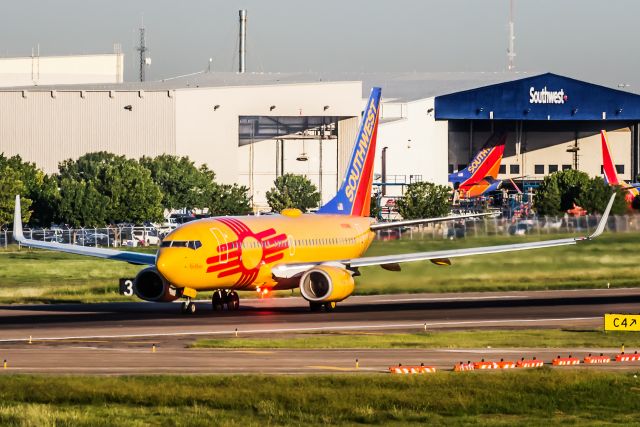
(221, 245)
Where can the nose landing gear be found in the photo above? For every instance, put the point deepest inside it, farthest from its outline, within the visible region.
(188, 307)
(225, 299)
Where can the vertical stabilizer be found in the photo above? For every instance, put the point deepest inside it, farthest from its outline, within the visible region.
(485, 164)
(17, 221)
(608, 167)
(354, 196)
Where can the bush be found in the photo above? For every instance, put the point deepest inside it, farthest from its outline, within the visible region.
(293, 191)
(561, 190)
(424, 200)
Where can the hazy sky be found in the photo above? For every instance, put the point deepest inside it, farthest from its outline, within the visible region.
(594, 40)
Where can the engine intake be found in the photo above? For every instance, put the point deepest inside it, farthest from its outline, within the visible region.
(149, 285)
(326, 284)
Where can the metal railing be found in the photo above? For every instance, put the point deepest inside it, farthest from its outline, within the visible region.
(511, 227)
(131, 236)
(149, 236)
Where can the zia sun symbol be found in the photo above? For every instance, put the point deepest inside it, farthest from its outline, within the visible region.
(248, 253)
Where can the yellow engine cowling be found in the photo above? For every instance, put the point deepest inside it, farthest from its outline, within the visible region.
(326, 284)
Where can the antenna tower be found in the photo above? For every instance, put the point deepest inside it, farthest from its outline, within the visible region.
(142, 48)
(511, 52)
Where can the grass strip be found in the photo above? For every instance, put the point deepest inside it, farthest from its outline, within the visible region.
(535, 338)
(541, 397)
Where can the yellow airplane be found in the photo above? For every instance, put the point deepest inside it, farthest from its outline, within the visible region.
(320, 253)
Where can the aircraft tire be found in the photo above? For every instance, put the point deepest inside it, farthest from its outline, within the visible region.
(218, 300)
(233, 301)
(188, 307)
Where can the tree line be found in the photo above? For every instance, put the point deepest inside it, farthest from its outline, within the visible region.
(104, 188)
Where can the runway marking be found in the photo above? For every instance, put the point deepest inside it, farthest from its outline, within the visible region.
(309, 329)
(452, 298)
(252, 352)
(122, 350)
(330, 368)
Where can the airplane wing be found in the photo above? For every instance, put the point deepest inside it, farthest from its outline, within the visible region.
(130, 257)
(394, 224)
(440, 257)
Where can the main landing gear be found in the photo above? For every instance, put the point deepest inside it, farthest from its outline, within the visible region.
(225, 299)
(319, 306)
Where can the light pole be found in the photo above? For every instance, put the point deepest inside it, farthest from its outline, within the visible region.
(384, 171)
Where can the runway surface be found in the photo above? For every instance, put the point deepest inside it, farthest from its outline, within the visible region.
(117, 338)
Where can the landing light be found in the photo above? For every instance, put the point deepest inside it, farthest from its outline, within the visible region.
(262, 292)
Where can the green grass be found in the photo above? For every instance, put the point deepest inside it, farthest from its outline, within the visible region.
(541, 397)
(42, 276)
(37, 276)
(538, 338)
(610, 259)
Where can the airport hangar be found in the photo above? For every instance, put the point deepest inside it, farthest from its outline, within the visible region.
(249, 128)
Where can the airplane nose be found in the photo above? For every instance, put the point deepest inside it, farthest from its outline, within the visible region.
(162, 263)
(169, 265)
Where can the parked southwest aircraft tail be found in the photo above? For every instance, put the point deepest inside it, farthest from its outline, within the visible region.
(318, 253)
(610, 173)
(479, 177)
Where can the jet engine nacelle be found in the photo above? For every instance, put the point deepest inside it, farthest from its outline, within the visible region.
(149, 285)
(326, 284)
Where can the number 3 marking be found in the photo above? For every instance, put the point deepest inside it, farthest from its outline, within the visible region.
(128, 288)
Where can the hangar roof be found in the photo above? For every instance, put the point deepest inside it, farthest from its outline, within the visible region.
(542, 97)
(397, 86)
(400, 86)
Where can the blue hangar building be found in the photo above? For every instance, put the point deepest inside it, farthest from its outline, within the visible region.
(433, 124)
(553, 123)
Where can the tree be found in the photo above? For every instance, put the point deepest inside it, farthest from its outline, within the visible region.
(375, 210)
(182, 184)
(81, 204)
(229, 200)
(131, 194)
(10, 186)
(424, 200)
(38, 187)
(559, 191)
(293, 191)
(596, 195)
(547, 198)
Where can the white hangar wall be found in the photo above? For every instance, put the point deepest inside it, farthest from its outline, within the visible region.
(417, 144)
(46, 127)
(67, 69)
(210, 134)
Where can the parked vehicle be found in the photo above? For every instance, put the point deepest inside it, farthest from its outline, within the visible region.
(146, 237)
(92, 239)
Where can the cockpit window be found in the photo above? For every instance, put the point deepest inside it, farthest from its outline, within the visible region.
(191, 244)
(194, 244)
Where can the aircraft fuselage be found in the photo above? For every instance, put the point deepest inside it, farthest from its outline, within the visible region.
(240, 252)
